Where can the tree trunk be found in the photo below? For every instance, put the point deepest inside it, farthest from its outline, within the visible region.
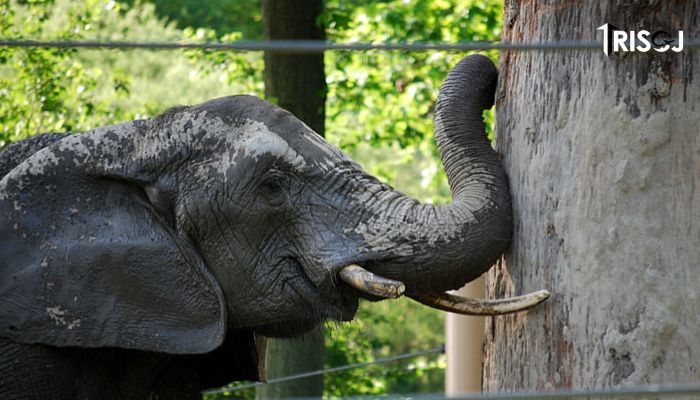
(287, 357)
(603, 155)
(295, 82)
(298, 84)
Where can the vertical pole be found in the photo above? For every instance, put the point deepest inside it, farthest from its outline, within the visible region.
(464, 337)
(297, 83)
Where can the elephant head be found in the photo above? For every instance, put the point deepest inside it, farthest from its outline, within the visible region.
(172, 233)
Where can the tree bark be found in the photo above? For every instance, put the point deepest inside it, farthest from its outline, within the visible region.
(603, 155)
(297, 83)
(287, 357)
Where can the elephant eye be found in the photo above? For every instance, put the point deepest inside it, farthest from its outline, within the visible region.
(273, 188)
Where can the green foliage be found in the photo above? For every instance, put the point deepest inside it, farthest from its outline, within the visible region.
(382, 330)
(349, 346)
(72, 90)
(45, 89)
(242, 71)
(385, 99)
(391, 94)
(222, 16)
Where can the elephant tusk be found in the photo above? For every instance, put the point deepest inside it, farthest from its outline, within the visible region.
(466, 306)
(367, 282)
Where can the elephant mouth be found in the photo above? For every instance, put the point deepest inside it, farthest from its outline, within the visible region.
(337, 305)
(314, 304)
(380, 287)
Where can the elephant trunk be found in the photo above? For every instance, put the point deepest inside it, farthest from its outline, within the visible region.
(479, 220)
(433, 248)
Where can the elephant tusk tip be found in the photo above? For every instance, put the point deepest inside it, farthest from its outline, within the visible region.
(372, 284)
(400, 289)
(542, 294)
(466, 306)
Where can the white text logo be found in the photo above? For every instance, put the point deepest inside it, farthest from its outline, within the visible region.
(615, 40)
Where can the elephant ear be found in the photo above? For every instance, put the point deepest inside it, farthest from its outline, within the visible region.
(87, 260)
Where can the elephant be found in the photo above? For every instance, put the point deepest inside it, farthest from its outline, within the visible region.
(151, 258)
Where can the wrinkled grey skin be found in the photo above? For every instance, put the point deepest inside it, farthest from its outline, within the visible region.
(147, 257)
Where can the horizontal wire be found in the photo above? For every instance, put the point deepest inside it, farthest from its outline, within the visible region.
(300, 46)
(659, 391)
(309, 374)
(313, 46)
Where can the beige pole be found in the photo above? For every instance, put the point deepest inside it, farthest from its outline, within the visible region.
(464, 339)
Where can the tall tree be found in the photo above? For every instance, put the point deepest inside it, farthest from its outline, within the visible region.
(603, 155)
(297, 83)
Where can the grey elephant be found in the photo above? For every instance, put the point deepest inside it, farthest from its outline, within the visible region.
(149, 259)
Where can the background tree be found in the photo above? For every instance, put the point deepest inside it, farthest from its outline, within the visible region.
(602, 154)
(297, 83)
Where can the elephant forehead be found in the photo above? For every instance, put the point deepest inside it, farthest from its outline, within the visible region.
(256, 139)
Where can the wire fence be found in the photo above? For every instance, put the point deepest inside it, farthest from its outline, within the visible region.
(691, 391)
(315, 46)
(309, 374)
